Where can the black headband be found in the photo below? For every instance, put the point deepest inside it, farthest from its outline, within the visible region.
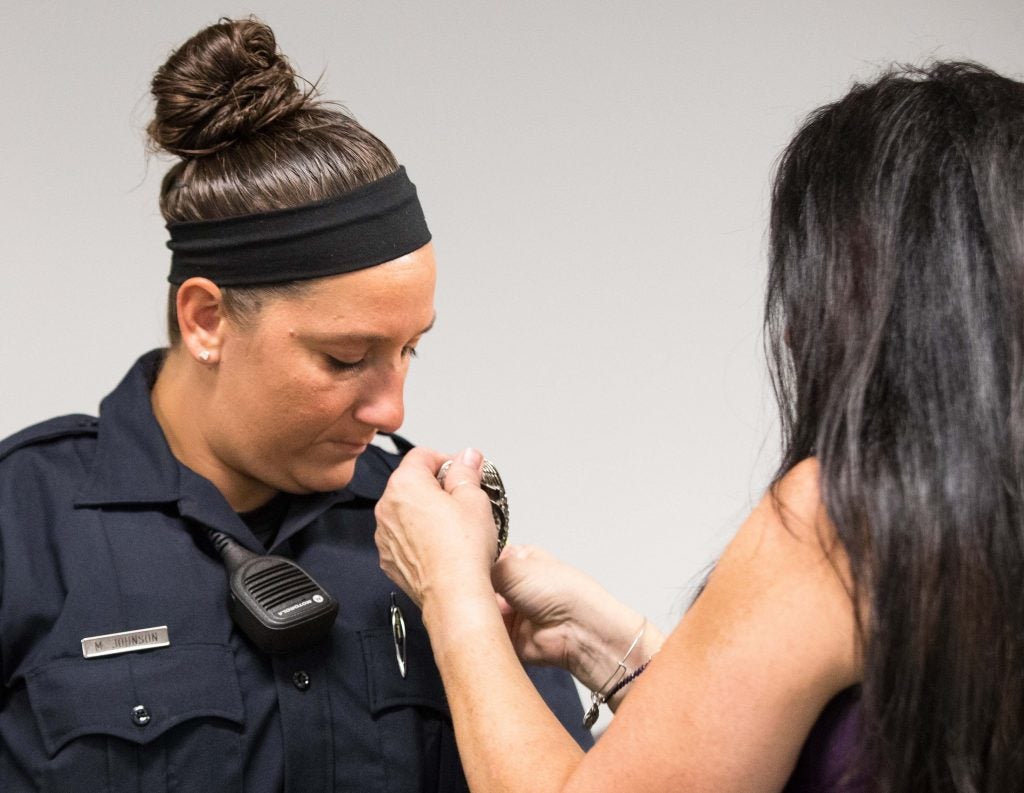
(370, 225)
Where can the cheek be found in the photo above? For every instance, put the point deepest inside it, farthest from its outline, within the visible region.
(278, 409)
(338, 401)
(312, 408)
(288, 405)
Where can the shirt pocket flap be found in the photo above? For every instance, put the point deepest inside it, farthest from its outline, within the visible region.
(421, 685)
(136, 696)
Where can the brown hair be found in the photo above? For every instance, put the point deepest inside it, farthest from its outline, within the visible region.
(250, 140)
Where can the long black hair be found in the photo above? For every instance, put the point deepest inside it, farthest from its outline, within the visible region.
(895, 325)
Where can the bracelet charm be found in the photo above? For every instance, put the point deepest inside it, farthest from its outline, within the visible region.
(616, 682)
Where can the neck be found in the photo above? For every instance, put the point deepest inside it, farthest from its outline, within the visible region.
(181, 391)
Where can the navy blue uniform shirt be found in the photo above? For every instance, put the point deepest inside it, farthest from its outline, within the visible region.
(102, 531)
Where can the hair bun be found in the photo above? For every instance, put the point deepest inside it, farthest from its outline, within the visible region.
(223, 84)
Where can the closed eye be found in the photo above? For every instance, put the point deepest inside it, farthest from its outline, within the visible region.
(338, 365)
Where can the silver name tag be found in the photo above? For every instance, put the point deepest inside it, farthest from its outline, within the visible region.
(127, 642)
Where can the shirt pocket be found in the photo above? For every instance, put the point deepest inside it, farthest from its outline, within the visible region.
(417, 742)
(163, 720)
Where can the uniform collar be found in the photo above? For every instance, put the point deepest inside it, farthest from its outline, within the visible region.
(134, 466)
(133, 463)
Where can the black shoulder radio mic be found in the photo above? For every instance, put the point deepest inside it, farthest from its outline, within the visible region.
(274, 602)
(281, 608)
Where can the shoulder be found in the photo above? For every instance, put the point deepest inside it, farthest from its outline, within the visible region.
(789, 568)
(42, 466)
(789, 539)
(47, 433)
(756, 659)
(792, 520)
(797, 495)
(376, 465)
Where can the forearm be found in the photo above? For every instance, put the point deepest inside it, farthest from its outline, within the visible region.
(509, 741)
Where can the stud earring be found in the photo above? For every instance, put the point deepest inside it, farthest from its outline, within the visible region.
(204, 356)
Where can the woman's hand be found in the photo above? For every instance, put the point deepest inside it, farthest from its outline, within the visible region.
(559, 616)
(434, 540)
(437, 544)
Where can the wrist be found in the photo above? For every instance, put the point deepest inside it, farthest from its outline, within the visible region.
(626, 670)
(648, 646)
(600, 647)
(448, 611)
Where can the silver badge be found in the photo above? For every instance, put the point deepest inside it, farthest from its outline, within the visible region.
(126, 642)
(490, 482)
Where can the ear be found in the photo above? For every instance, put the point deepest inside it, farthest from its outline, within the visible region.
(201, 318)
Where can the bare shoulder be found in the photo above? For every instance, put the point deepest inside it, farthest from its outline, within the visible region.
(790, 528)
(787, 558)
(797, 499)
(739, 684)
(802, 485)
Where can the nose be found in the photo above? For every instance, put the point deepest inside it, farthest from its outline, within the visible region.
(382, 405)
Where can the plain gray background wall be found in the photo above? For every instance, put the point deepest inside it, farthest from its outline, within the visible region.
(596, 177)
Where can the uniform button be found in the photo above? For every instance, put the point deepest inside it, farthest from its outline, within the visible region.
(301, 680)
(140, 715)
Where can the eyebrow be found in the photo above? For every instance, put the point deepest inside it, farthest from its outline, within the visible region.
(363, 337)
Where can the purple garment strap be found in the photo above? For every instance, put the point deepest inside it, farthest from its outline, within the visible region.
(829, 758)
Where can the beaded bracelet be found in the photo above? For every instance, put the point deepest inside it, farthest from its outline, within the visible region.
(628, 679)
(603, 694)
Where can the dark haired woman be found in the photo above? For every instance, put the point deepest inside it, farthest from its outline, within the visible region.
(864, 630)
(302, 282)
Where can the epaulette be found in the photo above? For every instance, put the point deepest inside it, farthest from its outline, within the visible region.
(52, 429)
(375, 466)
(402, 447)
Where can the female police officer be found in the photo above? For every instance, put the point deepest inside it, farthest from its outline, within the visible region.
(302, 282)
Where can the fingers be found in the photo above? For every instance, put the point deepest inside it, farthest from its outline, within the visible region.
(463, 469)
(525, 552)
(424, 531)
(421, 460)
(519, 561)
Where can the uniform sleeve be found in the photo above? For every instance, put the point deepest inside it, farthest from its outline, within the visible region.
(15, 477)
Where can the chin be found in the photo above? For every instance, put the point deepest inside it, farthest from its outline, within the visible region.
(325, 480)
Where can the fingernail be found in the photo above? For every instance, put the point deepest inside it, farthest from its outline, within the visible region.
(472, 458)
